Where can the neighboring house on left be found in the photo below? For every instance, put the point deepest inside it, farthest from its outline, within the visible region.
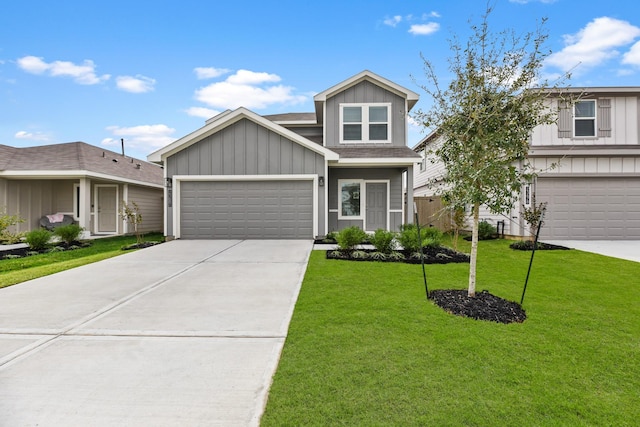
(77, 179)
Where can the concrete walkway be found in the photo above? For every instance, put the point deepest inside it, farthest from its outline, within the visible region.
(186, 333)
(623, 249)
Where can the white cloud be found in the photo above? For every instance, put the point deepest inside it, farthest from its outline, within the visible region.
(246, 77)
(145, 138)
(594, 44)
(137, 84)
(432, 14)
(247, 89)
(210, 72)
(393, 21)
(632, 57)
(82, 74)
(205, 113)
(33, 136)
(424, 29)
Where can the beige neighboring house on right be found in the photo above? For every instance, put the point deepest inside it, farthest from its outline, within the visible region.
(594, 191)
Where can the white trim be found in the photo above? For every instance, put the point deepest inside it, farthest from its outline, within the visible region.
(178, 179)
(333, 210)
(72, 174)
(365, 122)
(224, 120)
(96, 218)
(364, 161)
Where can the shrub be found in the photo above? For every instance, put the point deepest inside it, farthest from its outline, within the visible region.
(485, 230)
(408, 238)
(383, 240)
(377, 256)
(38, 239)
(350, 237)
(68, 233)
(7, 221)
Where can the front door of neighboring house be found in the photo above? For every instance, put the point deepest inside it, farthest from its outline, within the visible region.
(107, 209)
(376, 210)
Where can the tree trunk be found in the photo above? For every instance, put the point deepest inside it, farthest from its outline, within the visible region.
(474, 250)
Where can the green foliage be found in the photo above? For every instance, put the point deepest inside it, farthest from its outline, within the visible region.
(396, 256)
(350, 237)
(409, 240)
(38, 239)
(359, 255)
(533, 216)
(383, 240)
(485, 230)
(7, 221)
(68, 233)
(378, 256)
(331, 236)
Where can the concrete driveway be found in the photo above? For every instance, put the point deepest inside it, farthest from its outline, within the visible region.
(186, 333)
(623, 249)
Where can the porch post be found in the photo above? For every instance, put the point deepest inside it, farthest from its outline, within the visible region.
(410, 212)
(85, 205)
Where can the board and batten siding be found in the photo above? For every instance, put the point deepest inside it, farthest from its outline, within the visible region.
(366, 92)
(617, 119)
(149, 201)
(246, 148)
(592, 165)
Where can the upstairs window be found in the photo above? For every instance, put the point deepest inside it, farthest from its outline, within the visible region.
(584, 118)
(365, 123)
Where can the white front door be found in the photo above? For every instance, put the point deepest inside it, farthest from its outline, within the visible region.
(107, 209)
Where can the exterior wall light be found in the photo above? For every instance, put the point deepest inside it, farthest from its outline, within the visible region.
(321, 181)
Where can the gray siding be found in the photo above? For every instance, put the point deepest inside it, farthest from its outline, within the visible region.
(30, 199)
(394, 175)
(246, 148)
(362, 93)
(150, 203)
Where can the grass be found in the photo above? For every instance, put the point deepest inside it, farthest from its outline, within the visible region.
(366, 348)
(18, 270)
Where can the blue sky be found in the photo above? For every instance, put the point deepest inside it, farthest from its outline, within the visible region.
(152, 71)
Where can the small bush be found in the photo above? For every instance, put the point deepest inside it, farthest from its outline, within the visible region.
(408, 238)
(350, 237)
(331, 237)
(486, 231)
(359, 255)
(38, 239)
(431, 237)
(378, 256)
(396, 256)
(383, 240)
(68, 233)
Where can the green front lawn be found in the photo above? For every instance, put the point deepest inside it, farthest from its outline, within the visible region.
(18, 270)
(366, 349)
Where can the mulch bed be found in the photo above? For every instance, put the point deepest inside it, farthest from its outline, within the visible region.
(23, 252)
(441, 255)
(484, 306)
(527, 245)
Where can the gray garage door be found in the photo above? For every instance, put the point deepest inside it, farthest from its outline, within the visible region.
(590, 208)
(246, 210)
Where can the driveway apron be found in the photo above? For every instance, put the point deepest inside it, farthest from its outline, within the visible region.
(184, 333)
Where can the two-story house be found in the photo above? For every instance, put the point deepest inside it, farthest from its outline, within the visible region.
(588, 165)
(296, 175)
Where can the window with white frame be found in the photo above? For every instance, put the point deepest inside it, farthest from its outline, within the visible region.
(584, 118)
(349, 199)
(527, 196)
(365, 123)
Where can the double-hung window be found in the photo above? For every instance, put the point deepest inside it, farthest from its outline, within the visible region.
(365, 123)
(584, 118)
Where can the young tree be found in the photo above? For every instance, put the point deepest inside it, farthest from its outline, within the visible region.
(485, 117)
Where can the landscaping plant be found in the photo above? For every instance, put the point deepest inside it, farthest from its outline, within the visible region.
(38, 239)
(383, 241)
(68, 233)
(409, 240)
(486, 231)
(7, 221)
(349, 238)
(131, 214)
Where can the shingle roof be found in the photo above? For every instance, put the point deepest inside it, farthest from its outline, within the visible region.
(78, 156)
(291, 117)
(374, 152)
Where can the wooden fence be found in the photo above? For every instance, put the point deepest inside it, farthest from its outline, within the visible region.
(432, 213)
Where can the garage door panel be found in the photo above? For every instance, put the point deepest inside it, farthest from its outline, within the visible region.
(590, 208)
(246, 209)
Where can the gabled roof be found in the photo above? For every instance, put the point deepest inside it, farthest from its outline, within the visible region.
(366, 75)
(367, 155)
(223, 120)
(302, 119)
(76, 159)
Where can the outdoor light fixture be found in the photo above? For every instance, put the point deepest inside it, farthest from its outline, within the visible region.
(169, 181)
(321, 181)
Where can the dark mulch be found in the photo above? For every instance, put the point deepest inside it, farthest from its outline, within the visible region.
(440, 255)
(23, 252)
(484, 306)
(527, 245)
(140, 245)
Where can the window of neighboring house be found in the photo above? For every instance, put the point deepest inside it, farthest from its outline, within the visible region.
(584, 118)
(423, 161)
(527, 196)
(365, 123)
(349, 200)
